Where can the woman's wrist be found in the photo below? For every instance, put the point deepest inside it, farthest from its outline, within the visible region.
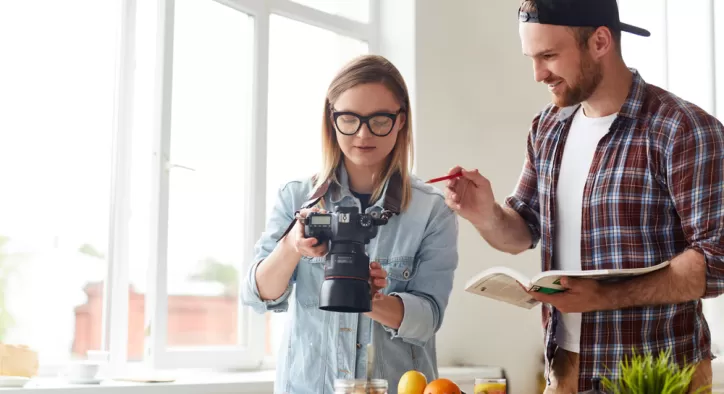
(288, 250)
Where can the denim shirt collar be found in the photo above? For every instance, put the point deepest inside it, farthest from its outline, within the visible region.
(338, 190)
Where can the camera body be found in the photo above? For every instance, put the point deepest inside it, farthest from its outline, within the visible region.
(346, 285)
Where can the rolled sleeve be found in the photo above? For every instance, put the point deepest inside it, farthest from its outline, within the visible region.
(251, 297)
(429, 290)
(695, 177)
(281, 215)
(524, 199)
(418, 321)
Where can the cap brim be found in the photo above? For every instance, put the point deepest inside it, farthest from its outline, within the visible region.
(635, 30)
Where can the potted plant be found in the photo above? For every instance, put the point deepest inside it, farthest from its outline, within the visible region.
(644, 374)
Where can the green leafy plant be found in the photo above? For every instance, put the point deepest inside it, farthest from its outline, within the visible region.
(213, 270)
(90, 250)
(644, 374)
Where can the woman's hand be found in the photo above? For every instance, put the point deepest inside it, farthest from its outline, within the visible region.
(378, 280)
(305, 246)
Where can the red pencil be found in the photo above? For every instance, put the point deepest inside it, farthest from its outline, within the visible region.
(446, 177)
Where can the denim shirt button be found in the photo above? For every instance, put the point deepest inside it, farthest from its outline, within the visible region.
(406, 273)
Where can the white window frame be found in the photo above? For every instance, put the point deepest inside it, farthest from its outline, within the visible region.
(250, 354)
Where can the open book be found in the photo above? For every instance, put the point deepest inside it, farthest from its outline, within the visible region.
(503, 283)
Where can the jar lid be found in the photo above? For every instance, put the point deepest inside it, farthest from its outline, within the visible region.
(360, 384)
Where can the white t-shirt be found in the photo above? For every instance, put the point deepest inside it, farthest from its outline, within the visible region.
(581, 143)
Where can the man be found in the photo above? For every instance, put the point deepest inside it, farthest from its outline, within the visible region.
(618, 173)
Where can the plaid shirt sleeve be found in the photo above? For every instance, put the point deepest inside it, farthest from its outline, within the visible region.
(524, 199)
(695, 177)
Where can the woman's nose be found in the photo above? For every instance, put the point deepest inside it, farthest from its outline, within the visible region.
(364, 131)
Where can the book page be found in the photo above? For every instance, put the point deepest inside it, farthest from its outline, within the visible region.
(504, 288)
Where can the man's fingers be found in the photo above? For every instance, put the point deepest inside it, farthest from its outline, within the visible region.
(474, 176)
(454, 170)
(567, 282)
(540, 296)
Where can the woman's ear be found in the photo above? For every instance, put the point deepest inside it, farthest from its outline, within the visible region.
(402, 121)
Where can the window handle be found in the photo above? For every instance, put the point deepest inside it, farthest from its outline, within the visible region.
(170, 166)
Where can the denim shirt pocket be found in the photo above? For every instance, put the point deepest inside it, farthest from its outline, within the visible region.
(400, 271)
(309, 281)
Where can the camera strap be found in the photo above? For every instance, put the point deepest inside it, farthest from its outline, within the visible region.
(390, 207)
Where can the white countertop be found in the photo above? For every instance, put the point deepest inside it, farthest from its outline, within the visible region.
(203, 383)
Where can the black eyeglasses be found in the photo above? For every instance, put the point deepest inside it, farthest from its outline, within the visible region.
(379, 123)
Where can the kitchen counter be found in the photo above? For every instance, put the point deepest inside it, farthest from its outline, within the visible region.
(195, 382)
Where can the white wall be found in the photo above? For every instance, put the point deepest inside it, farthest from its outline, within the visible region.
(475, 98)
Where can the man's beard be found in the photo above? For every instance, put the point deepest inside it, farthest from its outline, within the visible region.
(588, 80)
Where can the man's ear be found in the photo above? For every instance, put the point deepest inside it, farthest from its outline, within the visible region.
(601, 42)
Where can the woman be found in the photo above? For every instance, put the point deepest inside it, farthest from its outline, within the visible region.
(367, 151)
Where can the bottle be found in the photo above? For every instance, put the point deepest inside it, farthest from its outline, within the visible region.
(360, 386)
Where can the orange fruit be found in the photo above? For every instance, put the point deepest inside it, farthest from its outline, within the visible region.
(442, 386)
(412, 382)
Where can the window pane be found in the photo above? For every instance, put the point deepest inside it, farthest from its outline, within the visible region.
(646, 54)
(296, 105)
(358, 10)
(57, 101)
(691, 60)
(210, 132)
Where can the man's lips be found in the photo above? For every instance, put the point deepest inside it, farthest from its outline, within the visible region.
(554, 84)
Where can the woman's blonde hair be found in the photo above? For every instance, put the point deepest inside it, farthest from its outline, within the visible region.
(361, 70)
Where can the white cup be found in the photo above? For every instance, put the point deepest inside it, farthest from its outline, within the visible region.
(83, 370)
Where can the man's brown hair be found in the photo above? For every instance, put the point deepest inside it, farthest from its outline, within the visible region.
(582, 34)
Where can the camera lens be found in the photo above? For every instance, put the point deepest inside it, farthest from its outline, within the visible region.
(346, 287)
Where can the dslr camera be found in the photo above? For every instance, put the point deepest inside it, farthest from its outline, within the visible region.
(346, 285)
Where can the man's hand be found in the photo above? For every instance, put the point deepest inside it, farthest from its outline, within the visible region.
(581, 295)
(470, 195)
(378, 280)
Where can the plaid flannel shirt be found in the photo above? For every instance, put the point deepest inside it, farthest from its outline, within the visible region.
(655, 189)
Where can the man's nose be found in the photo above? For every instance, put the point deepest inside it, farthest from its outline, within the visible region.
(540, 71)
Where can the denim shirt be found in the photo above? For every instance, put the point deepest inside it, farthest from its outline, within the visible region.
(417, 249)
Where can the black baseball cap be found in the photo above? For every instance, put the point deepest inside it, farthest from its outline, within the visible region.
(579, 13)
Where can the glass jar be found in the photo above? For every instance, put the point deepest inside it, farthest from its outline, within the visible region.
(360, 386)
(490, 386)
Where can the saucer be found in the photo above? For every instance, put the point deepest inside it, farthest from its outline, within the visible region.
(83, 380)
(13, 381)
